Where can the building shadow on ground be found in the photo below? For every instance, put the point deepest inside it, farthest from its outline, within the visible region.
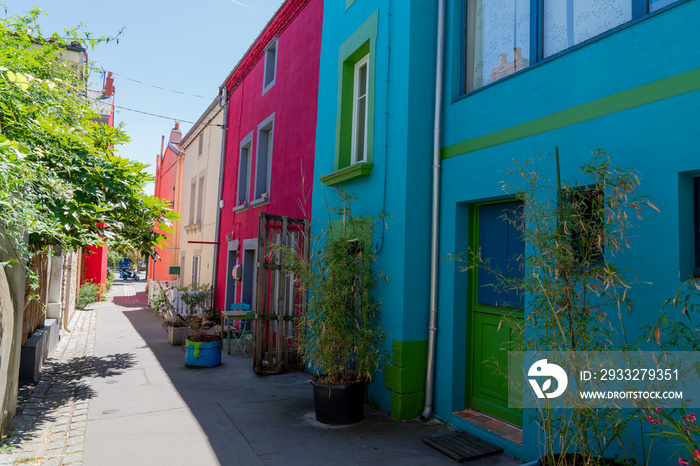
(240, 411)
(59, 384)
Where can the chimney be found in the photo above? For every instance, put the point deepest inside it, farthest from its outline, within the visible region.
(176, 134)
(109, 85)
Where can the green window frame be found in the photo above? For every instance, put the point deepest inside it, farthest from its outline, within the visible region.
(360, 46)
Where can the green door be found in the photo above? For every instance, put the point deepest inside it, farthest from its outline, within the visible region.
(501, 248)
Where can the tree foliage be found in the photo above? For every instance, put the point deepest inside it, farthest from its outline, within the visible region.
(60, 179)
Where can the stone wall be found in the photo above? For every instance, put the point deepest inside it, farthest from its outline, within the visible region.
(71, 277)
(12, 279)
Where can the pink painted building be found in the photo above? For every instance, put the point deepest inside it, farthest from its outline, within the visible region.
(269, 159)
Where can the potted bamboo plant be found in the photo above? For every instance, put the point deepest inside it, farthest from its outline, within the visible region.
(340, 335)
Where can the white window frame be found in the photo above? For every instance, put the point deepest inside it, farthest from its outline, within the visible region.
(200, 145)
(270, 71)
(200, 199)
(264, 151)
(193, 201)
(243, 186)
(356, 96)
(196, 268)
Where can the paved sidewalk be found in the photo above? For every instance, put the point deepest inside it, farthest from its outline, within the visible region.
(146, 407)
(51, 428)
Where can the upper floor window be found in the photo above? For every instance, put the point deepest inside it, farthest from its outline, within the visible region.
(506, 36)
(200, 147)
(193, 201)
(569, 22)
(498, 40)
(359, 118)
(200, 200)
(263, 159)
(270, 66)
(244, 170)
(354, 131)
(658, 4)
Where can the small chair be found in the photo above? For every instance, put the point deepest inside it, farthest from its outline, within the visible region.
(243, 335)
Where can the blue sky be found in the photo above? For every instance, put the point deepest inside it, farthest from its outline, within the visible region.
(184, 46)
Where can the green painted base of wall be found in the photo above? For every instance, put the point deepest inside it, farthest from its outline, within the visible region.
(407, 406)
(405, 377)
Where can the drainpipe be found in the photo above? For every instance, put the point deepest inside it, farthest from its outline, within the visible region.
(432, 327)
(223, 95)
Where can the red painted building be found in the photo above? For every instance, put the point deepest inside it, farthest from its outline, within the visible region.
(271, 121)
(168, 186)
(94, 265)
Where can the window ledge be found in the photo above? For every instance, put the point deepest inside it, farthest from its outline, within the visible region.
(240, 208)
(353, 172)
(260, 202)
(267, 87)
(193, 227)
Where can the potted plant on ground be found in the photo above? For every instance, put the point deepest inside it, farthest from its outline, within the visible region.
(198, 300)
(339, 336)
(203, 348)
(177, 325)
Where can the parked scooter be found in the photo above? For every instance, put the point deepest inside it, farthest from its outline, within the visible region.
(128, 275)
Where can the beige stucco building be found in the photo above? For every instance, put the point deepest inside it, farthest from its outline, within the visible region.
(200, 197)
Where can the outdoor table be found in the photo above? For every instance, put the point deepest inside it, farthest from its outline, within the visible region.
(227, 317)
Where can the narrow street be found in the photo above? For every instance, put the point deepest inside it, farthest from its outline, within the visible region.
(115, 392)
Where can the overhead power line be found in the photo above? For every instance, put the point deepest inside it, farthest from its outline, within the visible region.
(162, 88)
(161, 116)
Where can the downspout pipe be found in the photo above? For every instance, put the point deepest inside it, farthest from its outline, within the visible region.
(223, 95)
(435, 230)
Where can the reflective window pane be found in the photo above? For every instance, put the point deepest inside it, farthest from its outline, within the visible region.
(658, 4)
(569, 22)
(498, 40)
(360, 112)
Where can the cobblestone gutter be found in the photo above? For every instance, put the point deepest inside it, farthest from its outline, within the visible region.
(50, 430)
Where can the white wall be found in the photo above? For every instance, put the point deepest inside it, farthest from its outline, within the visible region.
(196, 226)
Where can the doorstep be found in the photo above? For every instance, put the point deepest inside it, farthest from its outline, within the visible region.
(496, 426)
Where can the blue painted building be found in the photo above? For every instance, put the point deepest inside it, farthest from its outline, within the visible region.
(520, 76)
(528, 76)
(376, 85)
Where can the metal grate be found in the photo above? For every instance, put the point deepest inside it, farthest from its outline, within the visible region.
(462, 447)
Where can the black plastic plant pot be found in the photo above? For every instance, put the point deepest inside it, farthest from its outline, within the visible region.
(339, 403)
